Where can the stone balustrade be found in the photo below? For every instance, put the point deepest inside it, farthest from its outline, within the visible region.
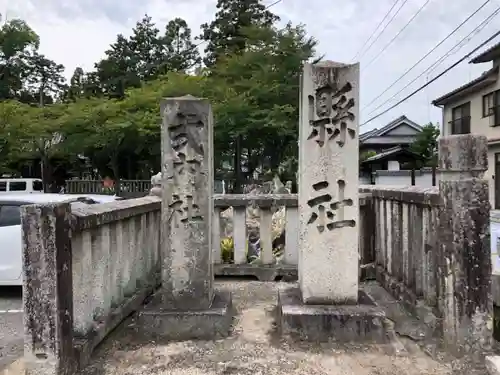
(268, 266)
(405, 240)
(86, 268)
(432, 250)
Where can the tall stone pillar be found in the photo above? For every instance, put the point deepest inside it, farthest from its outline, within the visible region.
(464, 257)
(187, 306)
(47, 289)
(329, 187)
(327, 304)
(187, 207)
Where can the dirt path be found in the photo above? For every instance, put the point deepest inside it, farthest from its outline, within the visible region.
(254, 349)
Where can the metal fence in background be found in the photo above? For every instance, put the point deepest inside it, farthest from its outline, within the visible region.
(137, 188)
(128, 188)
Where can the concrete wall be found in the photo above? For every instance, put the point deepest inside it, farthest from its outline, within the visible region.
(85, 269)
(423, 178)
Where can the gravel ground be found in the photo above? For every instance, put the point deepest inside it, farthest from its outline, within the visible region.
(255, 349)
(11, 325)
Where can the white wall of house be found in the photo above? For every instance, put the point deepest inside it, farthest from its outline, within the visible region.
(423, 178)
(393, 165)
(479, 125)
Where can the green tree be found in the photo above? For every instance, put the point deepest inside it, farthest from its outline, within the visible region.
(179, 48)
(13, 119)
(76, 88)
(426, 145)
(261, 108)
(17, 43)
(146, 55)
(44, 138)
(122, 137)
(366, 155)
(117, 71)
(225, 34)
(46, 80)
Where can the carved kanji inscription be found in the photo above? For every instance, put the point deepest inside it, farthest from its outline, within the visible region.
(330, 115)
(327, 214)
(184, 127)
(183, 209)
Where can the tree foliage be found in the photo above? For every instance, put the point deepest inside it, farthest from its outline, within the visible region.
(426, 145)
(108, 120)
(145, 56)
(226, 35)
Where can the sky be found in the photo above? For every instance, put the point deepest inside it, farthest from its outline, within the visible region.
(76, 33)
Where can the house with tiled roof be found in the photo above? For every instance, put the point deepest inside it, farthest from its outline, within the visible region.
(389, 145)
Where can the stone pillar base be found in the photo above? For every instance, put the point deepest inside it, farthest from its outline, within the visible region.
(156, 320)
(361, 323)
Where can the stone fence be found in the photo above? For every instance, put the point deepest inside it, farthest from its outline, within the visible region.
(405, 221)
(278, 255)
(266, 266)
(432, 246)
(85, 269)
(88, 267)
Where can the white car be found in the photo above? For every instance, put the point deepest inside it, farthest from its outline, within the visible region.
(10, 227)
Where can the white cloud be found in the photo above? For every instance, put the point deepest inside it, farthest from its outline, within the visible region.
(76, 33)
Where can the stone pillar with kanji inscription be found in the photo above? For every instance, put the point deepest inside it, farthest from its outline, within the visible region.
(327, 303)
(187, 305)
(328, 191)
(187, 207)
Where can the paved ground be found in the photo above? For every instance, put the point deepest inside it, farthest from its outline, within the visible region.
(255, 349)
(11, 325)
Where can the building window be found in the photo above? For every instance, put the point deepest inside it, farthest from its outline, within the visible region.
(460, 119)
(491, 107)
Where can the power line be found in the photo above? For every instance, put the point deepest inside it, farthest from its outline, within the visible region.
(428, 53)
(270, 5)
(398, 34)
(435, 78)
(383, 29)
(442, 58)
(374, 31)
(458, 47)
(481, 25)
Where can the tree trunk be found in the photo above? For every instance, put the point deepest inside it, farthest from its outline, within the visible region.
(129, 168)
(40, 94)
(237, 166)
(116, 173)
(46, 174)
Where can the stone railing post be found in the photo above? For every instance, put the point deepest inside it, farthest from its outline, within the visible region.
(464, 255)
(47, 289)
